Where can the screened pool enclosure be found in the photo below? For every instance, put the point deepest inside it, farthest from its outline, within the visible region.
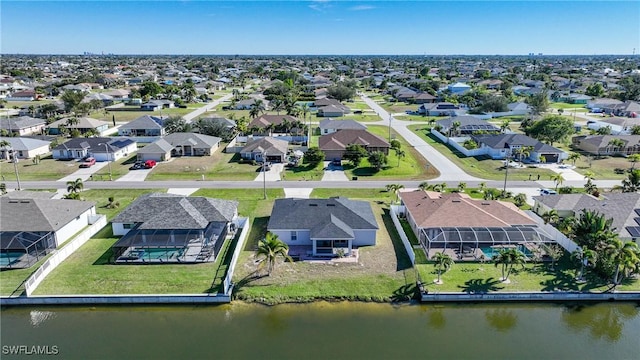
(22, 249)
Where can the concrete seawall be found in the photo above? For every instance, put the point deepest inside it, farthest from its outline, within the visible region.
(115, 299)
(530, 296)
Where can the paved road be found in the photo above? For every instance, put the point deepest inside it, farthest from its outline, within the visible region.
(192, 115)
(449, 171)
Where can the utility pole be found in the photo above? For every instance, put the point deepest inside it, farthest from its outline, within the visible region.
(506, 170)
(390, 117)
(264, 174)
(15, 168)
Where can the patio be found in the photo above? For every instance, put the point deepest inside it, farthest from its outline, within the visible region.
(305, 253)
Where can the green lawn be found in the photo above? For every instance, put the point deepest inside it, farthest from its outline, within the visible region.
(219, 166)
(119, 168)
(485, 168)
(126, 116)
(412, 167)
(48, 169)
(11, 280)
(88, 271)
(122, 196)
(353, 193)
(252, 202)
(603, 168)
(564, 106)
(484, 277)
(303, 172)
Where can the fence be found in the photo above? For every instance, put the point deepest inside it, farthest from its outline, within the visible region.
(99, 221)
(395, 210)
(246, 226)
(553, 233)
(453, 142)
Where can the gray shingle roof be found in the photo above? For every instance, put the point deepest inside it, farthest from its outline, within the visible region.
(24, 144)
(325, 218)
(21, 122)
(270, 145)
(498, 142)
(167, 211)
(342, 124)
(143, 122)
(160, 146)
(96, 144)
(192, 139)
(36, 214)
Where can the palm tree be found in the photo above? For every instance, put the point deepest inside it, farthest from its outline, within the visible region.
(424, 186)
(395, 188)
(589, 175)
(441, 261)
(523, 152)
(558, 179)
(400, 154)
(504, 125)
(616, 144)
(633, 158)
(574, 157)
(75, 186)
(4, 145)
(269, 249)
(550, 216)
(592, 229)
(625, 256)
(462, 186)
(482, 186)
(632, 182)
(454, 128)
(508, 258)
(584, 256)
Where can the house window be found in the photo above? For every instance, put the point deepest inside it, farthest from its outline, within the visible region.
(126, 226)
(294, 235)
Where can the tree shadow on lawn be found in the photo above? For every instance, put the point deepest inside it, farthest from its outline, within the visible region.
(402, 258)
(405, 293)
(107, 257)
(218, 286)
(245, 281)
(481, 285)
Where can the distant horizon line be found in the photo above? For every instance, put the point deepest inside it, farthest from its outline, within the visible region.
(423, 55)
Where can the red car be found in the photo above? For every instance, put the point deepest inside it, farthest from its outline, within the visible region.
(149, 164)
(88, 162)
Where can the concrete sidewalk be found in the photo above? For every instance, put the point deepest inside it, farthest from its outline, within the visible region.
(272, 174)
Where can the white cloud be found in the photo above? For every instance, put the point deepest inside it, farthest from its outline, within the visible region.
(361, 7)
(320, 5)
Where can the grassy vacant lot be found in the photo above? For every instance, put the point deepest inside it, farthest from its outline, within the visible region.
(219, 166)
(122, 196)
(88, 271)
(604, 167)
(412, 167)
(252, 203)
(383, 273)
(485, 168)
(564, 106)
(303, 172)
(48, 169)
(484, 277)
(398, 107)
(126, 116)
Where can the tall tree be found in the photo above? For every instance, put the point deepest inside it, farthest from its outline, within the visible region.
(632, 182)
(75, 186)
(558, 179)
(377, 159)
(507, 259)
(71, 99)
(395, 188)
(625, 256)
(354, 153)
(551, 129)
(442, 262)
(539, 102)
(270, 248)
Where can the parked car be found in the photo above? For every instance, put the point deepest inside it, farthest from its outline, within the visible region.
(137, 165)
(336, 162)
(149, 164)
(548, 192)
(88, 162)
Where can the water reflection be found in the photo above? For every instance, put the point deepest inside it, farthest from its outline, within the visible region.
(603, 322)
(501, 319)
(436, 318)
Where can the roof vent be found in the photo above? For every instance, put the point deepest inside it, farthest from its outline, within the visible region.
(331, 204)
(24, 201)
(486, 203)
(14, 201)
(455, 200)
(313, 204)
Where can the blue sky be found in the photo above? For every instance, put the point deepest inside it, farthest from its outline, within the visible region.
(320, 27)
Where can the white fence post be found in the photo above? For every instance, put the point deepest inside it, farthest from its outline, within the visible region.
(245, 224)
(403, 236)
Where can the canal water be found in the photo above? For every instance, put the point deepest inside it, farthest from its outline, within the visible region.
(327, 331)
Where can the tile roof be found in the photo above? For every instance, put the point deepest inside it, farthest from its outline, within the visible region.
(325, 218)
(167, 211)
(341, 139)
(431, 209)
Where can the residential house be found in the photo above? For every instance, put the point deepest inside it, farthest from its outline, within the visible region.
(334, 145)
(440, 109)
(275, 124)
(328, 126)
(275, 150)
(166, 228)
(119, 94)
(330, 108)
(84, 125)
(598, 105)
(105, 99)
(502, 145)
(145, 125)
(31, 226)
(623, 208)
(179, 144)
(627, 109)
(466, 125)
(618, 125)
(247, 104)
(424, 98)
(100, 148)
(23, 125)
(459, 88)
(602, 144)
(154, 105)
(23, 148)
(466, 228)
(519, 108)
(26, 95)
(324, 226)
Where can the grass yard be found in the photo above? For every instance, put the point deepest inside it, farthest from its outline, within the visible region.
(603, 168)
(421, 118)
(479, 277)
(352, 193)
(11, 280)
(398, 107)
(383, 273)
(357, 105)
(48, 169)
(88, 271)
(126, 116)
(119, 168)
(411, 167)
(564, 106)
(122, 196)
(219, 166)
(485, 168)
(367, 116)
(303, 172)
(252, 203)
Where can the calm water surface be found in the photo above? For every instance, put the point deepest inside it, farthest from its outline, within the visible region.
(329, 331)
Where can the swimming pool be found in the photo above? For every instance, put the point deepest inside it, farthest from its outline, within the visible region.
(161, 253)
(490, 252)
(7, 258)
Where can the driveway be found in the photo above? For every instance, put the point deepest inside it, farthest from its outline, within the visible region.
(333, 173)
(135, 175)
(84, 173)
(449, 171)
(272, 174)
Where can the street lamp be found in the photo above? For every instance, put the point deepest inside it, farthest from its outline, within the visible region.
(506, 169)
(106, 147)
(390, 117)
(264, 174)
